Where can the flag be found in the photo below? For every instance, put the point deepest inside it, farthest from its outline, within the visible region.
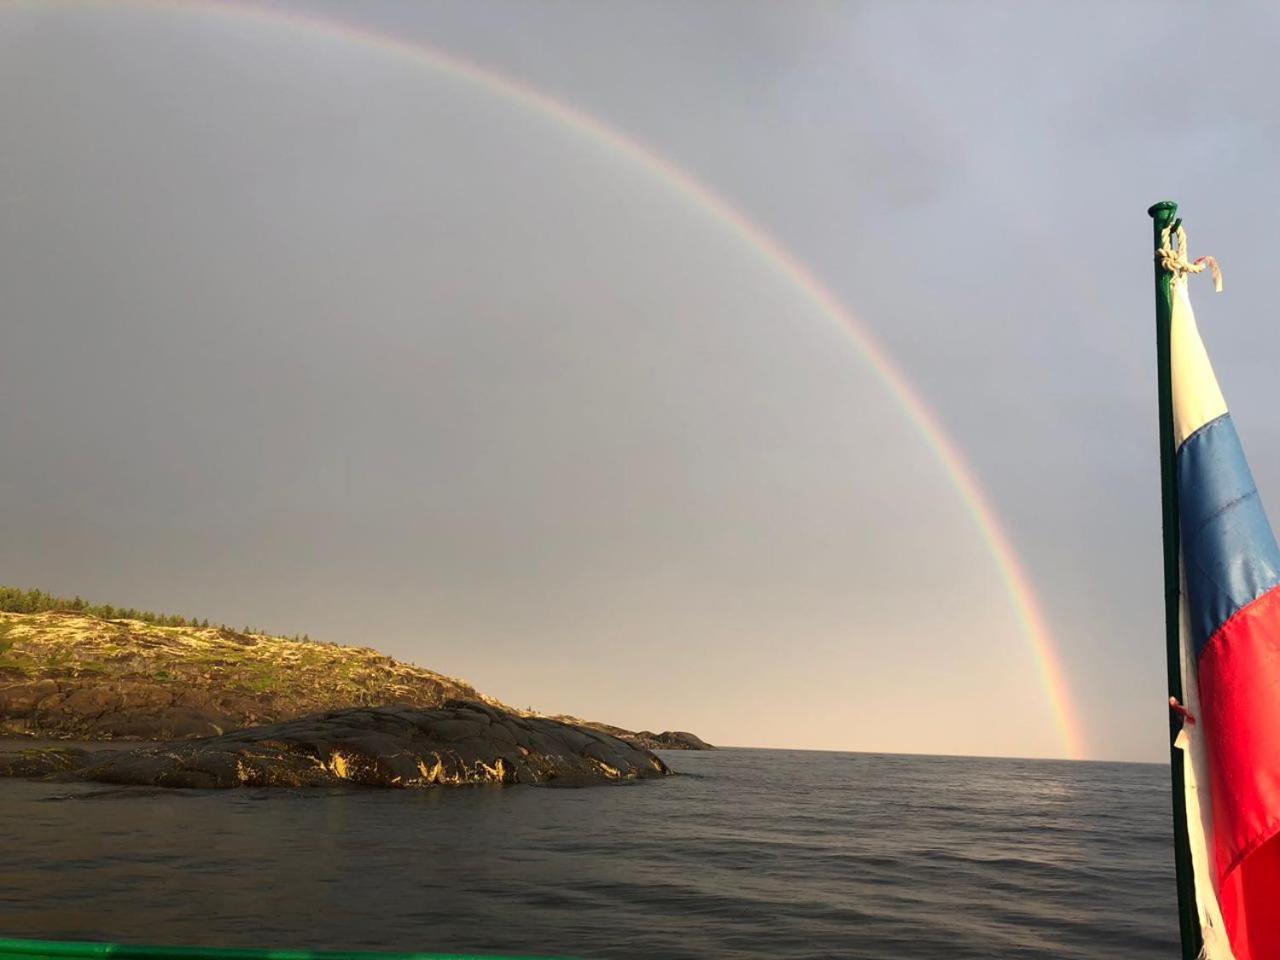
(1230, 650)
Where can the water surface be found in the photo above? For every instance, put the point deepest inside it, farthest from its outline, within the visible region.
(749, 853)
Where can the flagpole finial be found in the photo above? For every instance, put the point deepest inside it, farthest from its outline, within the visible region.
(1163, 212)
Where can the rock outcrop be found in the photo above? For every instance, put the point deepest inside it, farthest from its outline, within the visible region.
(459, 743)
(668, 740)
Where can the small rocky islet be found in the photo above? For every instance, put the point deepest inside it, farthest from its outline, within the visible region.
(215, 707)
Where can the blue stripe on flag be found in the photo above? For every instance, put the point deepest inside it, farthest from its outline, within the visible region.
(1228, 550)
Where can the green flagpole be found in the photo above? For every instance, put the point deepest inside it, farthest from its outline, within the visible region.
(1162, 215)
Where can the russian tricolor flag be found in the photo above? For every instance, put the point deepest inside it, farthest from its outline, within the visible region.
(1230, 641)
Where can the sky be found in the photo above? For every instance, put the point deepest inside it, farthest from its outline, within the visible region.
(301, 332)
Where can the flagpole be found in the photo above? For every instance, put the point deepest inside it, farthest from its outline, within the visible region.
(1162, 215)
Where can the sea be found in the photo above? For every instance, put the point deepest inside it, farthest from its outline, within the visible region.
(743, 854)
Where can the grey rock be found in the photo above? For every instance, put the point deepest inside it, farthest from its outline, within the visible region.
(460, 743)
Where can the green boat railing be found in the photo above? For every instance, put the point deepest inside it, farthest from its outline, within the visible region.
(61, 950)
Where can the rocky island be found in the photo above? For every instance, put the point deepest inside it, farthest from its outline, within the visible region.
(244, 707)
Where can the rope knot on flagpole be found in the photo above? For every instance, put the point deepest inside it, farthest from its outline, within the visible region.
(1181, 711)
(1172, 256)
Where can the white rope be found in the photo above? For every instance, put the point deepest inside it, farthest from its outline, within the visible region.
(1173, 257)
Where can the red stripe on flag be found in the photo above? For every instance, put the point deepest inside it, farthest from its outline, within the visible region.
(1240, 719)
(1249, 904)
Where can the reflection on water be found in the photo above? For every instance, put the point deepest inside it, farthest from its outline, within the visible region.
(752, 853)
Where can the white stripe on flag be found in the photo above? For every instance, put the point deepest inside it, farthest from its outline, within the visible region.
(1195, 771)
(1197, 398)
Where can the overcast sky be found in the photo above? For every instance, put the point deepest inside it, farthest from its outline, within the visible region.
(298, 333)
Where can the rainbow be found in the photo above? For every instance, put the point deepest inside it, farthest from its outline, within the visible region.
(771, 252)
